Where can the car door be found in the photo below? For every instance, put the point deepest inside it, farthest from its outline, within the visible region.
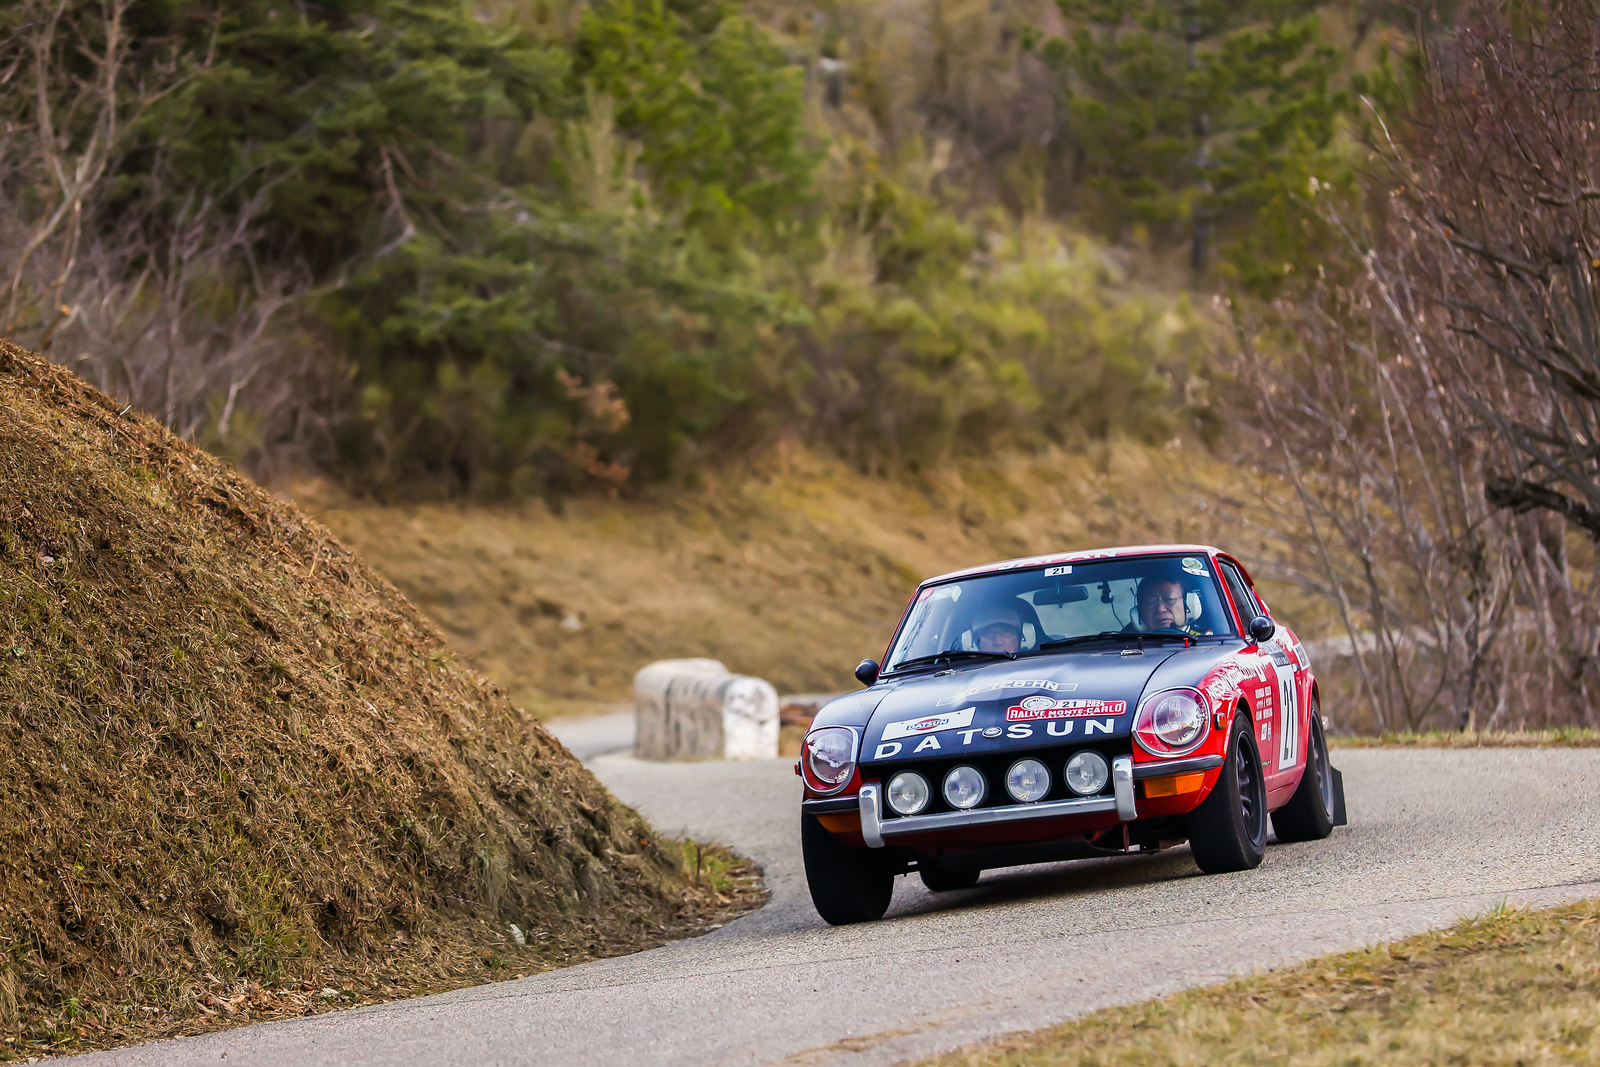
(1277, 704)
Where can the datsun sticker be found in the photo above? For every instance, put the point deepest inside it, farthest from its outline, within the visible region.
(927, 724)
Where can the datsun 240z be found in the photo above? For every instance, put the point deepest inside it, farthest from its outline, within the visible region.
(1060, 707)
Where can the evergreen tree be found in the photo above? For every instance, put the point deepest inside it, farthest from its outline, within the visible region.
(1191, 114)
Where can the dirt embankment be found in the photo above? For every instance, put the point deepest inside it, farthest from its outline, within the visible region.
(240, 773)
(794, 570)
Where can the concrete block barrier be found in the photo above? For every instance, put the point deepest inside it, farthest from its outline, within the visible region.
(695, 709)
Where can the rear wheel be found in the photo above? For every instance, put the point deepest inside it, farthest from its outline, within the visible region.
(938, 879)
(1228, 831)
(1309, 814)
(848, 885)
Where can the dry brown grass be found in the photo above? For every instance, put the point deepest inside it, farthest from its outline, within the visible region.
(794, 570)
(237, 767)
(1511, 987)
(1563, 737)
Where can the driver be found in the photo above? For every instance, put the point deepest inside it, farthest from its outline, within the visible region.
(1161, 605)
(998, 629)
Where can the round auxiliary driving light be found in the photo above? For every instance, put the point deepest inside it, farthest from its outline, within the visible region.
(1028, 780)
(964, 787)
(908, 793)
(1087, 772)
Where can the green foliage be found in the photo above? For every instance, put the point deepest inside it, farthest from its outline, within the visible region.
(1047, 342)
(710, 101)
(345, 113)
(540, 250)
(1198, 116)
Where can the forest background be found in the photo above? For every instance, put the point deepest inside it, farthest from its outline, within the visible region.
(523, 249)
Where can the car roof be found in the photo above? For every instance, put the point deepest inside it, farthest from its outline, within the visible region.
(1124, 552)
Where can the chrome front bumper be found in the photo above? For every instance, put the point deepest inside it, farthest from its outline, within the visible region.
(875, 828)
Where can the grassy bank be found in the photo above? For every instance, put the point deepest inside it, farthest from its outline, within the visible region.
(794, 571)
(724, 887)
(1565, 737)
(1511, 987)
(238, 768)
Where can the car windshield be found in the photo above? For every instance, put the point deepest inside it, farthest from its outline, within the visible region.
(1022, 611)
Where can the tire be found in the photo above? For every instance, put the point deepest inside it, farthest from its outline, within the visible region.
(1228, 831)
(848, 885)
(1309, 814)
(940, 880)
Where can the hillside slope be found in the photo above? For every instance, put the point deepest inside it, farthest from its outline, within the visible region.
(231, 753)
(794, 569)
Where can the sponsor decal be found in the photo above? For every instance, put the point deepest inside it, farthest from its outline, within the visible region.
(1009, 683)
(1301, 657)
(1042, 707)
(1288, 701)
(1051, 572)
(992, 731)
(1222, 683)
(927, 724)
(1280, 658)
(1194, 565)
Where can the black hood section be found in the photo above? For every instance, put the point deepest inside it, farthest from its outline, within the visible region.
(852, 709)
(1002, 705)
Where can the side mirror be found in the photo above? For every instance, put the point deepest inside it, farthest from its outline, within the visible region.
(1262, 629)
(867, 671)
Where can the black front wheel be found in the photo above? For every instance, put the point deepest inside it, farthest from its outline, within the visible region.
(1228, 831)
(1309, 814)
(848, 885)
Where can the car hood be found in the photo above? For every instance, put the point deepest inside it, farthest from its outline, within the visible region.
(1013, 704)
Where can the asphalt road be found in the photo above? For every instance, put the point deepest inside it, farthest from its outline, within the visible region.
(1434, 835)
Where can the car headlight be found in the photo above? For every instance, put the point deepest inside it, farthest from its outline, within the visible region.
(1087, 772)
(1028, 780)
(1172, 722)
(830, 758)
(964, 787)
(908, 793)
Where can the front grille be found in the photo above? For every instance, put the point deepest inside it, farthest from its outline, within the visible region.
(993, 766)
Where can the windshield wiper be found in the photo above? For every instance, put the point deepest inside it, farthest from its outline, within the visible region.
(962, 653)
(1127, 635)
(1103, 635)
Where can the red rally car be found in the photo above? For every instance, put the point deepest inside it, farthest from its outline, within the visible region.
(1065, 706)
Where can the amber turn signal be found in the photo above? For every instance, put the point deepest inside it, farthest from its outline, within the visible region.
(1174, 785)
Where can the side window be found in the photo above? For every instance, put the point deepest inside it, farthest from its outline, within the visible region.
(1247, 605)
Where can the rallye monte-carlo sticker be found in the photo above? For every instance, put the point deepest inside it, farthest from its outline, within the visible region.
(927, 724)
(1043, 707)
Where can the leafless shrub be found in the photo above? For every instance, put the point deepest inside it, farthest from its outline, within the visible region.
(157, 299)
(1442, 382)
(1454, 614)
(1500, 190)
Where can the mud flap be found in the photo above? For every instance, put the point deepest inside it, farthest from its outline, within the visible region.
(1339, 818)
